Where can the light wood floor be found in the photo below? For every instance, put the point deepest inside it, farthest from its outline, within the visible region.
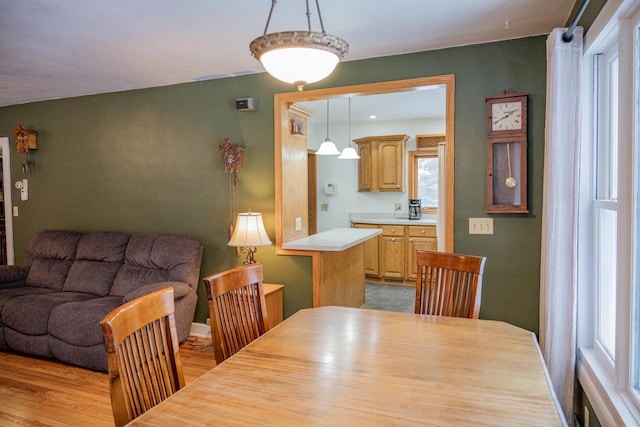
(43, 392)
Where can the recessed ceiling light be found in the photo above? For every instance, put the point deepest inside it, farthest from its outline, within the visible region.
(373, 116)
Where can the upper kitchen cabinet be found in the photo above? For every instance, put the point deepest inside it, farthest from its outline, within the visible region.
(381, 164)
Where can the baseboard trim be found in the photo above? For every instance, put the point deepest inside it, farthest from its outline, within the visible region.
(201, 330)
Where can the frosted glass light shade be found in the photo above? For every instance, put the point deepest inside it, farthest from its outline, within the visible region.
(299, 65)
(349, 153)
(249, 231)
(327, 148)
(299, 57)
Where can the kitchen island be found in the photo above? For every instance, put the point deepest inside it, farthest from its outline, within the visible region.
(338, 264)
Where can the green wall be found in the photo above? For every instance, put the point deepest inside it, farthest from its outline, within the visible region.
(148, 161)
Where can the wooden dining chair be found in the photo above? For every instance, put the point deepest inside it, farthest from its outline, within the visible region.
(142, 354)
(449, 284)
(237, 309)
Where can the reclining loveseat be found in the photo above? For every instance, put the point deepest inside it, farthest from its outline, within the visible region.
(52, 306)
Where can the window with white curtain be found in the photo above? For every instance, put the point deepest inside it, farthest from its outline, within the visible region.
(609, 220)
(605, 199)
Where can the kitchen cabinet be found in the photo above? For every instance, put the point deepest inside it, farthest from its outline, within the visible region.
(392, 252)
(420, 238)
(370, 252)
(381, 163)
(392, 255)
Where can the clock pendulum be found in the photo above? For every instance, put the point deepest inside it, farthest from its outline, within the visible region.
(510, 181)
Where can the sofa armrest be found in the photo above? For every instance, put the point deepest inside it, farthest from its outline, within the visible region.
(12, 276)
(179, 290)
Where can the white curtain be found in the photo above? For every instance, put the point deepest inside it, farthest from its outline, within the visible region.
(442, 197)
(559, 215)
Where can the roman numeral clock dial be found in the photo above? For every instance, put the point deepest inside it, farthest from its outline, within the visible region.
(507, 152)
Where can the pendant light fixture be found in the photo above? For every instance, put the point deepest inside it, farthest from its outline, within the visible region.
(327, 148)
(349, 153)
(299, 57)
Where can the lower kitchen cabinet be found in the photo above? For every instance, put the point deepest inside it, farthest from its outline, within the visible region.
(392, 255)
(392, 248)
(370, 253)
(420, 238)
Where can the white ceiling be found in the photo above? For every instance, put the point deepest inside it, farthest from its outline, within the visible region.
(61, 48)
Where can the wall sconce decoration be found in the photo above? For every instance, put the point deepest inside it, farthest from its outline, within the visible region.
(26, 140)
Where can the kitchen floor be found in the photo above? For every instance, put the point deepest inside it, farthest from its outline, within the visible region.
(390, 297)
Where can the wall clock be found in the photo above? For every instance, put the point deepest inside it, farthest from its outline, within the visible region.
(507, 152)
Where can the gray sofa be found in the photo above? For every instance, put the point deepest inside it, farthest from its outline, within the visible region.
(52, 306)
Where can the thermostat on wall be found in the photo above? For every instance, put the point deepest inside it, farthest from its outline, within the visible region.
(246, 104)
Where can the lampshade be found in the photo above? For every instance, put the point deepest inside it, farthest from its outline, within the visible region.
(249, 231)
(327, 148)
(299, 57)
(349, 153)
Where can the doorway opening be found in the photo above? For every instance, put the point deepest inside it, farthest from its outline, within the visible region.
(6, 219)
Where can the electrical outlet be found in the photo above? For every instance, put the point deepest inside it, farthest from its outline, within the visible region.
(324, 207)
(480, 225)
(298, 224)
(397, 207)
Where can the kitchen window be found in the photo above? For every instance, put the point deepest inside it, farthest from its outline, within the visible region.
(423, 176)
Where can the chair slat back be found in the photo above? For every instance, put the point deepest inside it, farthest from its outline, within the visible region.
(143, 354)
(237, 309)
(449, 284)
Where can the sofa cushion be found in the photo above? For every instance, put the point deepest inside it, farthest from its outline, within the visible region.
(179, 290)
(29, 314)
(50, 254)
(154, 258)
(97, 261)
(78, 323)
(12, 276)
(8, 294)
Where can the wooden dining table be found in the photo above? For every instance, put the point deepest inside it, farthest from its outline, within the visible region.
(339, 366)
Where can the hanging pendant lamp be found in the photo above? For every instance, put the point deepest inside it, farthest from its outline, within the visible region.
(299, 57)
(327, 148)
(349, 153)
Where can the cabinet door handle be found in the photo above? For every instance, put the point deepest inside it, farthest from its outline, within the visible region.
(422, 231)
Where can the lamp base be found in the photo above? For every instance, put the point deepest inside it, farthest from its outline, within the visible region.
(250, 251)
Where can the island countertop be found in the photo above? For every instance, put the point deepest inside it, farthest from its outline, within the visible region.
(335, 240)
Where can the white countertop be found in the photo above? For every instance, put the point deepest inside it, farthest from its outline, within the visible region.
(334, 240)
(383, 218)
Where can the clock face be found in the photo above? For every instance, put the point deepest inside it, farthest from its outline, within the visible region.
(506, 116)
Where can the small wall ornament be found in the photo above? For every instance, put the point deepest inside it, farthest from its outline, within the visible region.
(26, 140)
(232, 158)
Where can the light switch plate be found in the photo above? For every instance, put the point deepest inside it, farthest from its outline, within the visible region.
(298, 224)
(480, 225)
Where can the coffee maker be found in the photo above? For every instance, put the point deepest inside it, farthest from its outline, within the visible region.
(414, 208)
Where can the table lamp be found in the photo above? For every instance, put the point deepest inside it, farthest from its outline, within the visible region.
(249, 233)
